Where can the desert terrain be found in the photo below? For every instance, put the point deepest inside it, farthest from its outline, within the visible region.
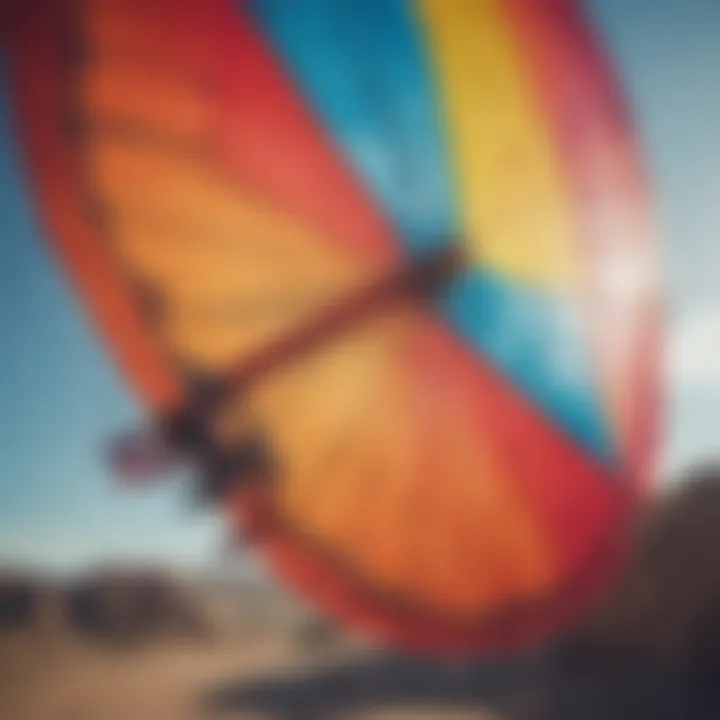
(217, 652)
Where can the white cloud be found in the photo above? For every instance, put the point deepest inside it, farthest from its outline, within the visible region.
(695, 351)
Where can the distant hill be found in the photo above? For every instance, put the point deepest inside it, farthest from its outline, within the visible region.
(131, 605)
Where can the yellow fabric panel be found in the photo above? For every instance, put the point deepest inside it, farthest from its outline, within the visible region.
(513, 204)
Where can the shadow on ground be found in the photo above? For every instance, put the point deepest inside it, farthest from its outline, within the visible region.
(387, 682)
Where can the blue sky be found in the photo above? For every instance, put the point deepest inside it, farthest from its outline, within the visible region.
(60, 398)
(60, 401)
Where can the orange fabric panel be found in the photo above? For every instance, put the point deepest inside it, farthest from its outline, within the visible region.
(39, 83)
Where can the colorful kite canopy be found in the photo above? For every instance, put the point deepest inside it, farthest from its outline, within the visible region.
(383, 267)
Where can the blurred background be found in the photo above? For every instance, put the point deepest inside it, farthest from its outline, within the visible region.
(151, 577)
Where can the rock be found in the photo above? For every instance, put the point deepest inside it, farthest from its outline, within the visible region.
(134, 606)
(19, 600)
(652, 649)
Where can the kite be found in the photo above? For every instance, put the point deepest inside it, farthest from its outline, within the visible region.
(383, 271)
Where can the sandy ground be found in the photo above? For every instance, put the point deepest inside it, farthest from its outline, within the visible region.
(71, 682)
(260, 655)
(42, 679)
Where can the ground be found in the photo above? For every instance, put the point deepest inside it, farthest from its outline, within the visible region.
(265, 661)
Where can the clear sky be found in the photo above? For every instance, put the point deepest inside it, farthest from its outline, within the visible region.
(60, 398)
